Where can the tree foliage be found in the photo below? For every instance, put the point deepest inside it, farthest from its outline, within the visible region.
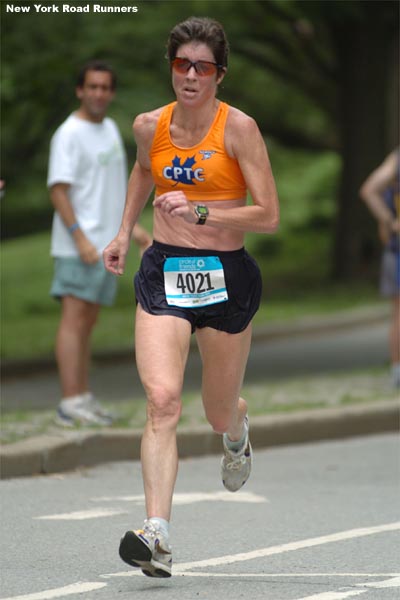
(315, 75)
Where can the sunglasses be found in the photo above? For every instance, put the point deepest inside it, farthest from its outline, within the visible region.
(202, 67)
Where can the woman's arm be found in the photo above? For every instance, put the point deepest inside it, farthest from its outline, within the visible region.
(140, 185)
(245, 143)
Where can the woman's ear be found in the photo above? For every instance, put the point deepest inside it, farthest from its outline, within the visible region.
(221, 74)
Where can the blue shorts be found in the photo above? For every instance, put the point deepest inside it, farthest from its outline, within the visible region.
(390, 273)
(92, 283)
(243, 285)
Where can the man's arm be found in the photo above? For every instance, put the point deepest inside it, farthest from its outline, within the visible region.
(59, 195)
(372, 191)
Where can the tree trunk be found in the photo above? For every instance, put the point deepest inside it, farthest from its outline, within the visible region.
(364, 66)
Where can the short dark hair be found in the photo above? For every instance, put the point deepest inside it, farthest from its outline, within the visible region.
(96, 65)
(200, 29)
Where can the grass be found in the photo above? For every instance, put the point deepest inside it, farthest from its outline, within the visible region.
(295, 266)
(276, 397)
(30, 316)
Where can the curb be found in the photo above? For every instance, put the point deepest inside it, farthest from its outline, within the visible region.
(72, 450)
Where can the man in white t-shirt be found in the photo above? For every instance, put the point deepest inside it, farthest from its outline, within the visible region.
(87, 180)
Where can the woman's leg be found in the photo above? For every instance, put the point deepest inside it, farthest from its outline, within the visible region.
(224, 357)
(162, 346)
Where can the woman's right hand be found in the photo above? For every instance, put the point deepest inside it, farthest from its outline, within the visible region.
(114, 254)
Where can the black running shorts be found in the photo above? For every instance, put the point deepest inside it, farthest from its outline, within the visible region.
(242, 279)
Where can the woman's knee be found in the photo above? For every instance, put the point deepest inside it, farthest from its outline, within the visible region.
(163, 406)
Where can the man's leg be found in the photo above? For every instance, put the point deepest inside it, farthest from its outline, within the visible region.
(78, 318)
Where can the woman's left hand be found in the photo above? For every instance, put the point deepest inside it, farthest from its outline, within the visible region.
(176, 204)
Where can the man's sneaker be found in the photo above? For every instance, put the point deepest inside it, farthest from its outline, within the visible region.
(147, 549)
(81, 409)
(236, 466)
(95, 407)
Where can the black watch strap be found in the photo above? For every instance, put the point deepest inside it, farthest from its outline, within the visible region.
(202, 220)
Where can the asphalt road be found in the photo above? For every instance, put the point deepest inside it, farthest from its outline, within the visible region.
(315, 522)
(345, 348)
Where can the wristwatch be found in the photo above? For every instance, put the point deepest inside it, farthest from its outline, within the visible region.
(202, 212)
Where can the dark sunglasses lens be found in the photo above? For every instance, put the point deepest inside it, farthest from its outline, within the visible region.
(202, 67)
(205, 68)
(181, 64)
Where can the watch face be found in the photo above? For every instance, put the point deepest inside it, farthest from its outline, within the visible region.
(202, 210)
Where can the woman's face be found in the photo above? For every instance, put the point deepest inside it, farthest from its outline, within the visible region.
(191, 87)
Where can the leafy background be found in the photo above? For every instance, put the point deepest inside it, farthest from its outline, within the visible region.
(320, 78)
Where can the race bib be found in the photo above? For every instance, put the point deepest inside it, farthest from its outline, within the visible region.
(194, 281)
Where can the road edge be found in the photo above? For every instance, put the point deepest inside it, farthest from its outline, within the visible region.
(68, 451)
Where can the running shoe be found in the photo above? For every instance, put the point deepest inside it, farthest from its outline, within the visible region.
(147, 549)
(96, 408)
(236, 466)
(82, 409)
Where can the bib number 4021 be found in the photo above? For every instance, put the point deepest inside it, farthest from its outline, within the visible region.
(197, 283)
(194, 281)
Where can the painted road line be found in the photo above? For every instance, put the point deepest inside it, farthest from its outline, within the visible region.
(290, 547)
(192, 498)
(333, 595)
(81, 515)
(179, 499)
(262, 575)
(350, 534)
(184, 568)
(341, 595)
(68, 590)
(389, 583)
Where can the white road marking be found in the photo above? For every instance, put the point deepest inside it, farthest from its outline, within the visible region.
(191, 498)
(68, 590)
(301, 544)
(333, 595)
(291, 575)
(80, 515)
(260, 575)
(184, 568)
(273, 550)
(389, 583)
(179, 499)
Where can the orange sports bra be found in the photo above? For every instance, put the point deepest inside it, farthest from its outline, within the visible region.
(204, 171)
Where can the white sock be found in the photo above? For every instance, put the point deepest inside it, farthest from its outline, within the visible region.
(74, 399)
(161, 525)
(237, 445)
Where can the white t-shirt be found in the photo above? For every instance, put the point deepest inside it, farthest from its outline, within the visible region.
(91, 158)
